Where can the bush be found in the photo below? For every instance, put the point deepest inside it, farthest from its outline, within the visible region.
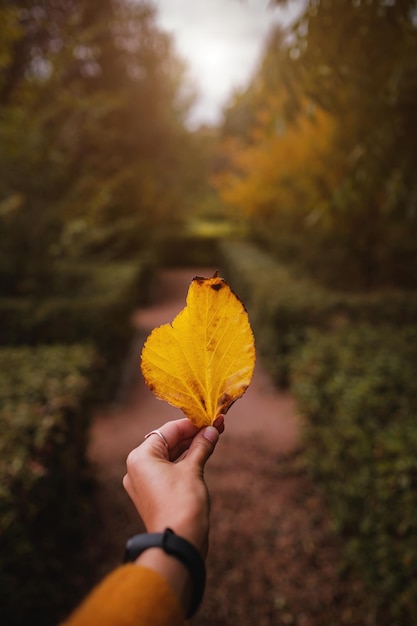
(358, 392)
(45, 484)
(91, 304)
(188, 251)
(354, 376)
(283, 307)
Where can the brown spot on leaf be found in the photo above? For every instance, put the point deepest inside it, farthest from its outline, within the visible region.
(224, 402)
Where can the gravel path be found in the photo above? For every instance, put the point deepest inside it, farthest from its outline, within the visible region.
(273, 559)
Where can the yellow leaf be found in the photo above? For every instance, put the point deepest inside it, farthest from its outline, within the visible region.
(204, 360)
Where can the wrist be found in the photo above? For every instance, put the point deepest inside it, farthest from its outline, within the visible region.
(196, 537)
(195, 531)
(172, 570)
(176, 559)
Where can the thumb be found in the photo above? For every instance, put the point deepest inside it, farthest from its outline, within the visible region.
(203, 446)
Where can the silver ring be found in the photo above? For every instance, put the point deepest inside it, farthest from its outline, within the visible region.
(158, 432)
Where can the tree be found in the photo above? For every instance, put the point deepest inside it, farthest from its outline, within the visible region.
(91, 124)
(353, 188)
(358, 60)
(275, 140)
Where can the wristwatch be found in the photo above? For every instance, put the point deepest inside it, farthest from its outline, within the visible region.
(177, 547)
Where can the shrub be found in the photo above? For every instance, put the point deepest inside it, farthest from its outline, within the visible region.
(357, 390)
(91, 304)
(45, 484)
(188, 251)
(283, 307)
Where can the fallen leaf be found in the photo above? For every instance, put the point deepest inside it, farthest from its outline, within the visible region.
(204, 360)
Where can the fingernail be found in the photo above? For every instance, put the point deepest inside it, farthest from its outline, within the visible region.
(219, 423)
(211, 433)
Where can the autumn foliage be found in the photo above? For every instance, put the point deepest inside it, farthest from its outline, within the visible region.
(281, 167)
(319, 150)
(204, 360)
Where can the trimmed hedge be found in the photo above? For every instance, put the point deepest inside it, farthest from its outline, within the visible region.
(45, 487)
(188, 251)
(46, 393)
(354, 374)
(357, 389)
(85, 304)
(88, 303)
(283, 307)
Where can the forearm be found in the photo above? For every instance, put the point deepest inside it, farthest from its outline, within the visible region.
(174, 572)
(130, 596)
(177, 559)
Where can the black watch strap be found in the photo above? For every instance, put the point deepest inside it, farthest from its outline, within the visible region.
(178, 547)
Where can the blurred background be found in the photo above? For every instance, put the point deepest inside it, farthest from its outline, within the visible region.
(275, 140)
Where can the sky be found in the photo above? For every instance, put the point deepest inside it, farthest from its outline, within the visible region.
(221, 42)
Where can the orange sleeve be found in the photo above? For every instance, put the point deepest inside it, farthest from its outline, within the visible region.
(132, 595)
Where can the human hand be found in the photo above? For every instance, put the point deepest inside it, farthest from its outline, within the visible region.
(166, 482)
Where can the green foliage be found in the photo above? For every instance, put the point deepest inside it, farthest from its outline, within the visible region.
(91, 128)
(353, 372)
(283, 307)
(372, 96)
(46, 394)
(86, 303)
(45, 484)
(357, 390)
(184, 250)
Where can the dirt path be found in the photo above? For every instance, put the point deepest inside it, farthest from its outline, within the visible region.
(263, 414)
(273, 559)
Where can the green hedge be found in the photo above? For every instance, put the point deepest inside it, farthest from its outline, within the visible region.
(46, 391)
(87, 303)
(188, 251)
(357, 389)
(45, 487)
(283, 307)
(354, 375)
